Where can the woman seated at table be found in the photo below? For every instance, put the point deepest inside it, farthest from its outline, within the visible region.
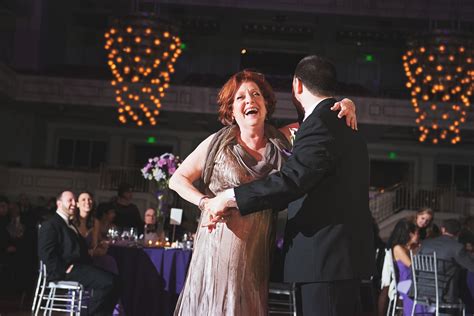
(84, 217)
(102, 223)
(423, 219)
(99, 246)
(405, 237)
(84, 220)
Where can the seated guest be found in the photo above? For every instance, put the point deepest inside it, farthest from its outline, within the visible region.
(23, 262)
(151, 226)
(104, 220)
(452, 259)
(16, 228)
(83, 218)
(466, 236)
(7, 244)
(7, 247)
(46, 210)
(404, 238)
(64, 252)
(84, 222)
(423, 220)
(127, 213)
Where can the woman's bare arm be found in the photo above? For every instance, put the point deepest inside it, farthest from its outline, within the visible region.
(189, 171)
(400, 253)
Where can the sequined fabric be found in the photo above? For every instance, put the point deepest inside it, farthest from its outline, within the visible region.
(230, 268)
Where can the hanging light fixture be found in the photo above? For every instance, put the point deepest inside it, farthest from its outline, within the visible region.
(141, 53)
(440, 72)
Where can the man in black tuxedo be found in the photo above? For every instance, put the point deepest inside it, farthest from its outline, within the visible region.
(64, 252)
(324, 183)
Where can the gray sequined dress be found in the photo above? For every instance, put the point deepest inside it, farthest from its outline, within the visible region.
(230, 267)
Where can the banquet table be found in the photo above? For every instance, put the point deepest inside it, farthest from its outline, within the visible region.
(151, 278)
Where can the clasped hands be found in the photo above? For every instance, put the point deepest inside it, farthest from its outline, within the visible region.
(218, 209)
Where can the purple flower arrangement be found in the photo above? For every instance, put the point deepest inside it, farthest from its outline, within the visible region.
(161, 169)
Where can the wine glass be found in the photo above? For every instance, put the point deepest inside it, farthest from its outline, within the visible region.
(126, 234)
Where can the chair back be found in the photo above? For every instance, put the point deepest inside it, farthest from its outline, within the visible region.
(425, 278)
(282, 299)
(40, 286)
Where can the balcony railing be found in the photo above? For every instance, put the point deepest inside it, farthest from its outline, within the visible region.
(111, 177)
(412, 197)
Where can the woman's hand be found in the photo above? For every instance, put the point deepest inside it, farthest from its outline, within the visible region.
(347, 108)
(209, 221)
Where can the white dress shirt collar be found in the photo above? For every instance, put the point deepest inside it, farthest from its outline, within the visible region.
(66, 219)
(309, 110)
(63, 216)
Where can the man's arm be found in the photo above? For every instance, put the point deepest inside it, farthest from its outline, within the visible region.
(464, 259)
(313, 157)
(48, 244)
(310, 161)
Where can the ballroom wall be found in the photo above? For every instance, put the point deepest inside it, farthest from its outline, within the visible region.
(54, 81)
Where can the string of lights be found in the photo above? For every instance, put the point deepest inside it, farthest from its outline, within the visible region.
(440, 76)
(141, 54)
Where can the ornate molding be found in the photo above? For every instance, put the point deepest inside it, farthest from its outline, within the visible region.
(436, 9)
(192, 99)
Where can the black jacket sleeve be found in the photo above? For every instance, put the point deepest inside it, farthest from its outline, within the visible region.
(311, 159)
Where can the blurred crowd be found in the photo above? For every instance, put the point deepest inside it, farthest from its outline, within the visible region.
(20, 220)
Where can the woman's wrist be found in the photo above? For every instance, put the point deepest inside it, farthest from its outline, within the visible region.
(202, 202)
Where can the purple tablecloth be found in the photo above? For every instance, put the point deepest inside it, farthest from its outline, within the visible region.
(151, 279)
(468, 297)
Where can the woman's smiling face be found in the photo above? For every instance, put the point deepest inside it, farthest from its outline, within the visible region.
(84, 202)
(249, 107)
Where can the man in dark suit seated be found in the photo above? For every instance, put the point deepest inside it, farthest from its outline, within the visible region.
(452, 260)
(64, 252)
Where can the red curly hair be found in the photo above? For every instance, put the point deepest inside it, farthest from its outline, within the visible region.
(225, 98)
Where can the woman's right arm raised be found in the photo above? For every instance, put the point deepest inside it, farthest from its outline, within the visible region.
(189, 171)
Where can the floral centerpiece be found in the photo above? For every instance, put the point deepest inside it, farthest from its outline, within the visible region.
(160, 169)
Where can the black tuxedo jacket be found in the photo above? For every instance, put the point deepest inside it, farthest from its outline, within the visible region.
(329, 234)
(59, 247)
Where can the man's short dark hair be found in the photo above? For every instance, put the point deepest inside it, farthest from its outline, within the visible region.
(124, 187)
(452, 226)
(60, 194)
(317, 74)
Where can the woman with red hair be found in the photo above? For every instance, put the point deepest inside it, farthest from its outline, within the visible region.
(230, 268)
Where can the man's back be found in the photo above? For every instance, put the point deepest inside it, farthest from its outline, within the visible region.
(329, 232)
(452, 259)
(445, 247)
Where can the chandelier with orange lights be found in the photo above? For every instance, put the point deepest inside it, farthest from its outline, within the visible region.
(141, 54)
(439, 68)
